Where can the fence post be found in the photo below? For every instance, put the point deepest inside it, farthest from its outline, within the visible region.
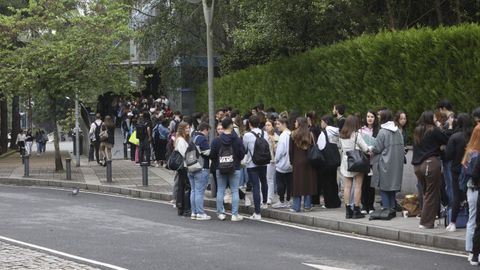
(26, 167)
(144, 173)
(109, 171)
(69, 168)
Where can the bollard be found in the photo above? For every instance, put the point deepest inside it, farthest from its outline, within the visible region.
(26, 167)
(125, 151)
(144, 173)
(109, 171)
(68, 161)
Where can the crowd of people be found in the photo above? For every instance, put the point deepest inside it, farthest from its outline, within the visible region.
(299, 161)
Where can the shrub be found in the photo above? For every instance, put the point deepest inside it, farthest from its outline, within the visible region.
(408, 70)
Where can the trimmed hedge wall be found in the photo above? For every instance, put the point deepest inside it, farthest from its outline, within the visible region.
(408, 70)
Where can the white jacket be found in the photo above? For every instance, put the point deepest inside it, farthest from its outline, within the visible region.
(249, 143)
(282, 156)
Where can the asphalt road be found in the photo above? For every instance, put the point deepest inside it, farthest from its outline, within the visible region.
(139, 234)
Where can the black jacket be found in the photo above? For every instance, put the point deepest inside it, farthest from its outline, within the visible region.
(455, 151)
(228, 139)
(429, 146)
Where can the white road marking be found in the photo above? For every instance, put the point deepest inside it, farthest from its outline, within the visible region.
(62, 254)
(323, 267)
(278, 223)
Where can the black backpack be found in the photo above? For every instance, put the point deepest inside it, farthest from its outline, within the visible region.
(97, 131)
(226, 161)
(331, 154)
(141, 131)
(261, 151)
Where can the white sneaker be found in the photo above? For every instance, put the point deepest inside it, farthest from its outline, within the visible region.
(364, 212)
(451, 227)
(221, 216)
(279, 205)
(256, 216)
(248, 202)
(470, 256)
(421, 227)
(237, 218)
(269, 201)
(193, 216)
(202, 217)
(264, 206)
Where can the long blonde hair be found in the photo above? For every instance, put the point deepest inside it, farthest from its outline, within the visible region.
(183, 132)
(473, 145)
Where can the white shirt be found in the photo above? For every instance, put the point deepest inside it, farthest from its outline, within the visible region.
(249, 144)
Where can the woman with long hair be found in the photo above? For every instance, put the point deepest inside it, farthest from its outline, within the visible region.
(454, 154)
(369, 132)
(471, 151)
(183, 193)
(273, 139)
(350, 140)
(428, 139)
(304, 177)
(106, 145)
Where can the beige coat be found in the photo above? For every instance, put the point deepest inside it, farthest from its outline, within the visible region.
(348, 145)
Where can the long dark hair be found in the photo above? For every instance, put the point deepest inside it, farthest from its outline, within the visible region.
(425, 124)
(376, 125)
(302, 136)
(350, 126)
(464, 124)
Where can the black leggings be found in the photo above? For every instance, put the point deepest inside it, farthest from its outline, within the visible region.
(330, 188)
(284, 185)
(368, 194)
(183, 193)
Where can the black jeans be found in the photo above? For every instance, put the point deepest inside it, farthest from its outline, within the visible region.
(183, 193)
(284, 185)
(133, 149)
(329, 187)
(368, 194)
(458, 196)
(96, 146)
(144, 152)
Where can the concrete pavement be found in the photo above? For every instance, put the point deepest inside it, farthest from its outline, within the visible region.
(138, 234)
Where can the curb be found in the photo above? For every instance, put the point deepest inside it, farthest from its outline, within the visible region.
(415, 238)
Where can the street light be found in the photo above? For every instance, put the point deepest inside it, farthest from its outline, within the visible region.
(208, 14)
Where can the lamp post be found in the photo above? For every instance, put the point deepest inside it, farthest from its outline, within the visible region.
(208, 14)
(77, 132)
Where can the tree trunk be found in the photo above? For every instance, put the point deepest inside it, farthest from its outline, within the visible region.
(438, 10)
(15, 121)
(458, 13)
(3, 124)
(56, 138)
(391, 15)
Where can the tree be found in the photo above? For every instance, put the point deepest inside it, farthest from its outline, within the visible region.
(71, 47)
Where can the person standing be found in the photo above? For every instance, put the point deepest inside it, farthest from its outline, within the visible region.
(20, 142)
(369, 131)
(273, 141)
(94, 135)
(454, 154)
(304, 176)
(283, 167)
(110, 127)
(183, 192)
(427, 165)
(227, 152)
(471, 162)
(199, 180)
(257, 173)
(28, 142)
(339, 112)
(329, 185)
(144, 135)
(388, 160)
(350, 140)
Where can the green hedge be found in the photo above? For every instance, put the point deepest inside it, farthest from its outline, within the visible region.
(408, 70)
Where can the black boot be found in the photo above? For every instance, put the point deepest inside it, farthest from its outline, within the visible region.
(357, 213)
(349, 212)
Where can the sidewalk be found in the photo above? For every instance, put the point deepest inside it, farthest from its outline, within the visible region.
(127, 180)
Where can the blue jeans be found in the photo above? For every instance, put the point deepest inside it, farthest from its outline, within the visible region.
(198, 183)
(256, 176)
(233, 181)
(447, 178)
(297, 202)
(388, 199)
(472, 197)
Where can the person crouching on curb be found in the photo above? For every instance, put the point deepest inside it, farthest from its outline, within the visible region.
(227, 151)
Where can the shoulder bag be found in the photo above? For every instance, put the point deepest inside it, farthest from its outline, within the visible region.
(357, 160)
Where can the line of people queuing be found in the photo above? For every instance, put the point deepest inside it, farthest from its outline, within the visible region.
(271, 153)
